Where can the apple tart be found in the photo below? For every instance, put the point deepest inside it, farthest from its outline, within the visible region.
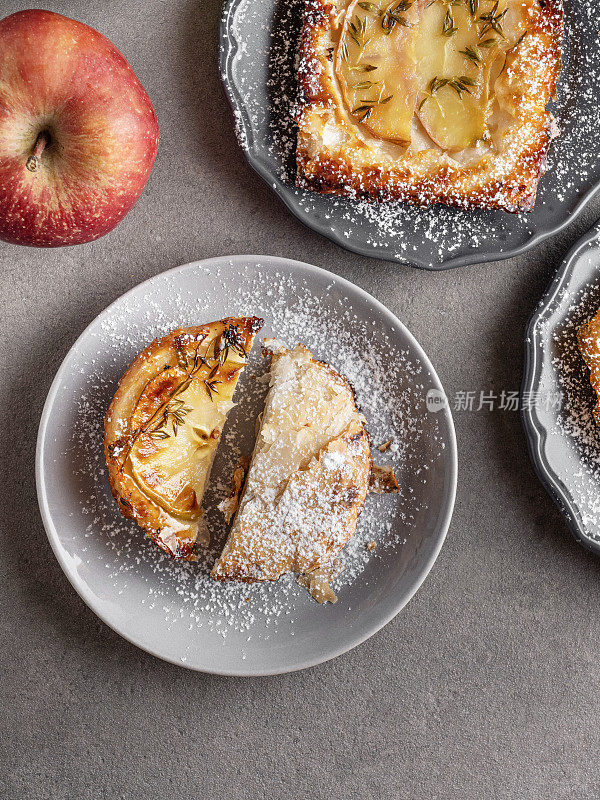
(308, 478)
(588, 339)
(428, 101)
(163, 427)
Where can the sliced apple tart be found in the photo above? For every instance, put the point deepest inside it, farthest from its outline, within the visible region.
(428, 101)
(308, 478)
(163, 427)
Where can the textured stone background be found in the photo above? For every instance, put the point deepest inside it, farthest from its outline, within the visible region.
(485, 686)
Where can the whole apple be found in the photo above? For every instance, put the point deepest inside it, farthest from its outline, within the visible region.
(78, 133)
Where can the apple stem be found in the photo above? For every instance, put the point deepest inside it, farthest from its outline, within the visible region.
(33, 162)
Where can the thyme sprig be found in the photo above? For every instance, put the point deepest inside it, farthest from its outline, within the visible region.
(460, 84)
(366, 105)
(514, 47)
(472, 53)
(357, 31)
(363, 68)
(520, 39)
(210, 383)
(435, 84)
(365, 85)
(364, 111)
(391, 15)
(394, 15)
(230, 339)
(492, 21)
(448, 26)
(175, 412)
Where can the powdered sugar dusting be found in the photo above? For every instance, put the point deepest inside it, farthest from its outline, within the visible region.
(390, 387)
(310, 467)
(571, 441)
(261, 40)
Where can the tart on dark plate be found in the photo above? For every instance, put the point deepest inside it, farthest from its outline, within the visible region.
(428, 101)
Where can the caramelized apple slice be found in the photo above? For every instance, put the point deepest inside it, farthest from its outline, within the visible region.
(164, 423)
(509, 84)
(171, 459)
(458, 81)
(453, 75)
(440, 58)
(375, 66)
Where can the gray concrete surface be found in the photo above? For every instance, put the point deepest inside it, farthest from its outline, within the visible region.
(485, 686)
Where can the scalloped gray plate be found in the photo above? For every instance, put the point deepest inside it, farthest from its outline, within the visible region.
(175, 611)
(258, 47)
(556, 430)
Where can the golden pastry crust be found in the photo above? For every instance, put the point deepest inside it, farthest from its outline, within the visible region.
(308, 478)
(588, 339)
(163, 426)
(336, 156)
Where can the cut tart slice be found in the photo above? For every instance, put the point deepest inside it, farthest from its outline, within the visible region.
(308, 478)
(588, 339)
(163, 427)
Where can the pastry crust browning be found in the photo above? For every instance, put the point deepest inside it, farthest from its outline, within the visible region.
(163, 426)
(337, 155)
(588, 338)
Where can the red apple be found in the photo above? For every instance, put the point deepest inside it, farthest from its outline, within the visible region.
(78, 133)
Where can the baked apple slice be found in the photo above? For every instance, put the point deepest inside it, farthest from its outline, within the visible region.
(461, 48)
(510, 83)
(375, 66)
(163, 427)
(453, 76)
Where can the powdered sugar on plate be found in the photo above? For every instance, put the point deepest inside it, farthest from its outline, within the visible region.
(565, 438)
(259, 47)
(390, 385)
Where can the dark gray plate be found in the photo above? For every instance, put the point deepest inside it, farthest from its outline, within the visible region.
(557, 399)
(258, 48)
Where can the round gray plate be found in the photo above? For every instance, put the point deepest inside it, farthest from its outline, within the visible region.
(558, 409)
(258, 47)
(175, 611)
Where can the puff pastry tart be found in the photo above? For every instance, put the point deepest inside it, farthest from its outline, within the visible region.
(428, 101)
(164, 423)
(588, 338)
(308, 478)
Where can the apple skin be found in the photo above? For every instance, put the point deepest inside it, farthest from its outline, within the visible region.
(63, 79)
